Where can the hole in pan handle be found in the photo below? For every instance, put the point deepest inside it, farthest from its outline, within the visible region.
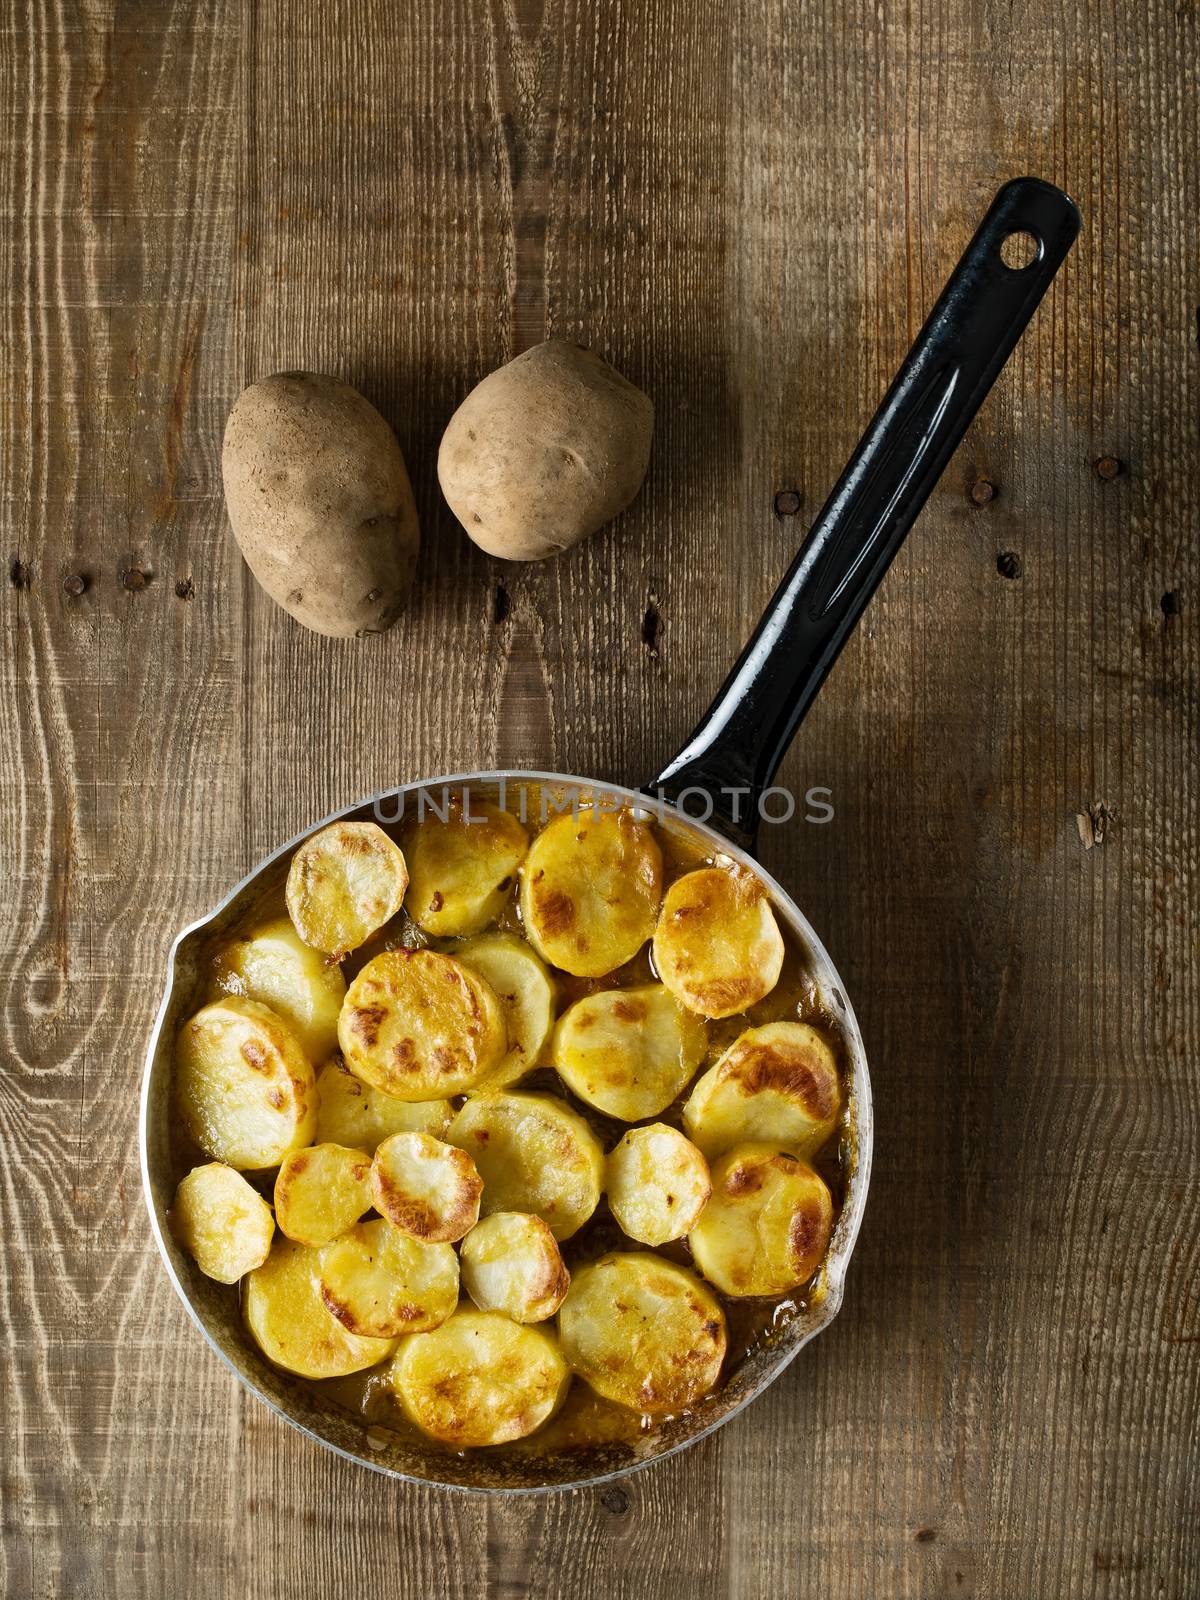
(735, 751)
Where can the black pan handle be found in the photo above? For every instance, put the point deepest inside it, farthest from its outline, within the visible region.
(983, 310)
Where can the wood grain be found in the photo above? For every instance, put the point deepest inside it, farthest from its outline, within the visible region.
(748, 208)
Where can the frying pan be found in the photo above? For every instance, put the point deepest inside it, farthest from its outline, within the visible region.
(722, 773)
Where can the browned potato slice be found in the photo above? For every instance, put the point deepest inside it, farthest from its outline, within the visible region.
(643, 1332)
(479, 1379)
(244, 1087)
(352, 1112)
(379, 1282)
(778, 1083)
(275, 966)
(510, 1262)
(285, 1313)
(322, 1191)
(590, 888)
(425, 1187)
(766, 1228)
(657, 1184)
(343, 884)
(526, 991)
(222, 1222)
(460, 871)
(717, 946)
(534, 1154)
(419, 1025)
(628, 1052)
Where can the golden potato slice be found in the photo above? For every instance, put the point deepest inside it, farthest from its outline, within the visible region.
(766, 1228)
(717, 946)
(460, 871)
(526, 991)
(243, 1084)
(657, 1183)
(322, 1191)
(223, 1223)
(534, 1154)
(419, 1025)
(510, 1262)
(273, 964)
(380, 1282)
(479, 1379)
(425, 1187)
(352, 1112)
(590, 889)
(628, 1052)
(778, 1083)
(343, 884)
(290, 1323)
(643, 1332)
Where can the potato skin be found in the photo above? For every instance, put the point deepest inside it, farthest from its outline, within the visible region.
(320, 503)
(544, 451)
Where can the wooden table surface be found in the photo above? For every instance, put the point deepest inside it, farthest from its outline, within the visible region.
(748, 208)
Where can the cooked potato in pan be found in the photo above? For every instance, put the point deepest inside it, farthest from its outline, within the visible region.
(511, 1262)
(766, 1228)
(352, 1112)
(657, 1183)
(343, 884)
(379, 1282)
(425, 1187)
(290, 1323)
(322, 1191)
(590, 890)
(717, 946)
(460, 870)
(526, 991)
(272, 964)
(777, 1083)
(244, 1086)
(224, 1224)
(628, 1052)
(643, 1332)
(534, 1154)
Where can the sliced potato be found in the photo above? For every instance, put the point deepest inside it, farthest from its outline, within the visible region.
(526, 991)
(510, 1262)
(343, 884)
(419, 1025)
(223, 1223)
(425, 1187)
(717, 946)
(352, 1112)
(322, 1191)
(479, 1379)
(766, 1228)
(244, 1086)
(379, 1282)
(590, 889)
(290, 1323)
(274, 965)
(643, 1332)
(657, 1183)
(629, 1052)
(778, 1083)
(460, 871)
(534, 1154)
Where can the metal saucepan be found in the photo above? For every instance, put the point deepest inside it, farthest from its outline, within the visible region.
(722, 771)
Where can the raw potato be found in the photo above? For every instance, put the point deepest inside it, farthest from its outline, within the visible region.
(479, 1379)
(629, 1052)
(717, 946)
(420, 1025)
(544, 451)
(224, 1224)
(534, 1154)
(766, 1228)
(590, 890)
(244, 1087)
(426, 1188)
(352, 1112)
(273, 964)
(284, 1311)
(643, 1332)
(379, 1282)
(320, 502)
(510, 1262)
(657, 1183)
(526, 991)
(461, 870)
(777, 1083)
(343, 884)
(322, 1191)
